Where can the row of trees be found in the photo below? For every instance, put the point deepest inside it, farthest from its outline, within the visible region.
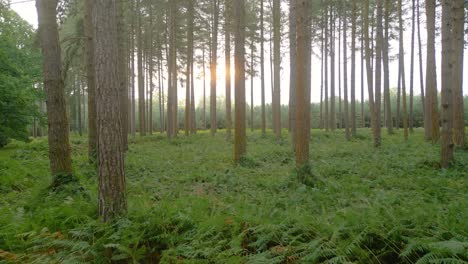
(166, 38)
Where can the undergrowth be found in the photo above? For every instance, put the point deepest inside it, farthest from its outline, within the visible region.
(188, 203)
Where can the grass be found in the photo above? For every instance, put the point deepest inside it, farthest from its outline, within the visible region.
(188, 203)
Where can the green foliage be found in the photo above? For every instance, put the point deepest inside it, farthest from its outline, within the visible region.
(19, 72)
(188, 203)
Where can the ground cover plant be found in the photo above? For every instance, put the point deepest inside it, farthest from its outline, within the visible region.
(188, 203)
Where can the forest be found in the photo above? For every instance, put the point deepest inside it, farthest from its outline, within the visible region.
(233, 131)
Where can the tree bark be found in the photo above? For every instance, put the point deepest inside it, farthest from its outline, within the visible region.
(58, 136)
(240, 143)
(345, 74)
(277, 68)
(89, 58)
(141, 77)
(122, 55)
(413, 29)
(431, 117)
(368, 52)
(214, 58)
(376, 127)
(458, 50)
(388, 104)
(332, 71)
(447, 145)
(292, 70)
(262, 66)
(402, 72)
(302, 110)
(421, 76)
(353, 69)
(112, 196)
(227, 50)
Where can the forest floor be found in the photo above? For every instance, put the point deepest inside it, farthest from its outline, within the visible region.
(187, 203)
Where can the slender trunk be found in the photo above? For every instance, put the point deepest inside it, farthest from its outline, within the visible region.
(413, 29)
(262, 66)
(78, 99)
(353, 69)
(251, 85)
(327, 38)
(376, 128)
(188, 92)
(363, 118)
(240, 143)
(122, 65)
(368, 52)
(322, 66)
(458, 50)
(59, 146)
(431, 117)
(340, 113)
(227, 50)
(141, 74)
(345, 80)
(447, 145)
(150, 70)
(214, 58)
(388, 105)
(204, 89)
(133, 110)
(90, 72)
(277, 68)
(402, 72)
(332, 71)
(421, 76)
(302, 110)
(292, 70)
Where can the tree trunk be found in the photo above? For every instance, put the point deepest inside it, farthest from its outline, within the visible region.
(292, 70)
(112, 197)
(353, 69)
(252, 74)
(240, 143)
(327, 37)
(388, 104)
(122, 51)
(78, 104)
(59, 146)
(302, 110)
(188, 93)
(447, 145)
(214, 58)
(332, 71)
(378, 77)
(402, 72)
(421, 76)
(89, 58)
(204, 89)
(431, 117)
(363, 118)
(262, 65)
(413, 29)
(345, 74)
(340, 113)
(277, 68)
(458, 50)
(141, 76)
(172, 89)
(368, 52)
(227, 50)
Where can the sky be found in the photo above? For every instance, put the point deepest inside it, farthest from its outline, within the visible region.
(27, 10)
